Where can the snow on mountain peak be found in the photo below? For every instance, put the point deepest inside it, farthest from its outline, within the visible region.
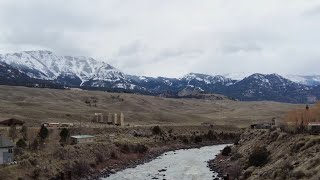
(44, 64)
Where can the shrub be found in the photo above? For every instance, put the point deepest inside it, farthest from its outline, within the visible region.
(156, 130)
(113, 155)
(297, 146)
(80, 168)
(140, 148)
(210, 135)
(298, 174)
(100, 158)
(198, 139)
(185, 140)
(236, 140)
(235, 170)
(226, 151)
(61, 153)
(236, 156)
(125, 148)
(35, 144)
(258, 156)
(36, 173)
(21, 144)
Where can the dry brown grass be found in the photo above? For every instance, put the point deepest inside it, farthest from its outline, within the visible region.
(40, 105)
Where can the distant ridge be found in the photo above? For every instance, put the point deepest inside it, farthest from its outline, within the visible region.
(89, 73)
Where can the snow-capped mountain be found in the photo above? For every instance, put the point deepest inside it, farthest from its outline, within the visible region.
(207, 79)
(65, 69)
(309, 80)
(237, 75)
(47, 68)
(270, 86)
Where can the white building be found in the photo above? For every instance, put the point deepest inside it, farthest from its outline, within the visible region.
(6, 150)
(79, 139)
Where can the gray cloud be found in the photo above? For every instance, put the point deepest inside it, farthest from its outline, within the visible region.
(170, 37)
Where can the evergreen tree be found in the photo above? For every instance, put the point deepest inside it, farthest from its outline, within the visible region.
(21, 144)
(64, 135)
(44, 133)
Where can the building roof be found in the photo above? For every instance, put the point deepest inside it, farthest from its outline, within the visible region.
(11, 121)
(5, 142)
(82, 136)
(314, 124)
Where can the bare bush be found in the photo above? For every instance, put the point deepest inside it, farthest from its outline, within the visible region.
(226, 151)
(80, 168)
(258, 156)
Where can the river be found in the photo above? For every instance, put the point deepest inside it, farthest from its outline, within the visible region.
(189, 164)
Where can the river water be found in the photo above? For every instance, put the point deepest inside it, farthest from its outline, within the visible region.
(190, 164)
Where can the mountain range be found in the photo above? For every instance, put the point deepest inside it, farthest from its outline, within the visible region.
(50, 70)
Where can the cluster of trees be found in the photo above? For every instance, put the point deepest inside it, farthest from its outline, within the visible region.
(300, 118)
(91, 101)
(37, 142)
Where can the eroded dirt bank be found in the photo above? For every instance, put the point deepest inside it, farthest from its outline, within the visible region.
(265, 154)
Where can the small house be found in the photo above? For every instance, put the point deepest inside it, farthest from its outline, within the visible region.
(80, 139)
(314, 127)
(11, 121)
(6, 150)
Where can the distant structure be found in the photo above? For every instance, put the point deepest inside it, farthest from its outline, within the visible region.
(66, 125)
(6, 150)
(121, 119)
(314, 128)
(11, 121)
(80, 139)
(115, 119)
(110, 121)
(98, 118)
(51, 124)
(277, 122)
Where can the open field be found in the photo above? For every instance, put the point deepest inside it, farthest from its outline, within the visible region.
(42, 105)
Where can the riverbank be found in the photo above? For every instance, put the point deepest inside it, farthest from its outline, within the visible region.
(265, 154)
(129, 147)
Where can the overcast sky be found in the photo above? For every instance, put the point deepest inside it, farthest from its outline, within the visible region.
(171, 37)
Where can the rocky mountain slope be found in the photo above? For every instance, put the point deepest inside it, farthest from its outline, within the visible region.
(89, 73)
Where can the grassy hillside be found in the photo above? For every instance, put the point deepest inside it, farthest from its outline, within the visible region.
(36, 105)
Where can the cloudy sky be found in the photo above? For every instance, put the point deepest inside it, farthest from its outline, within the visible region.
(171, 37)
